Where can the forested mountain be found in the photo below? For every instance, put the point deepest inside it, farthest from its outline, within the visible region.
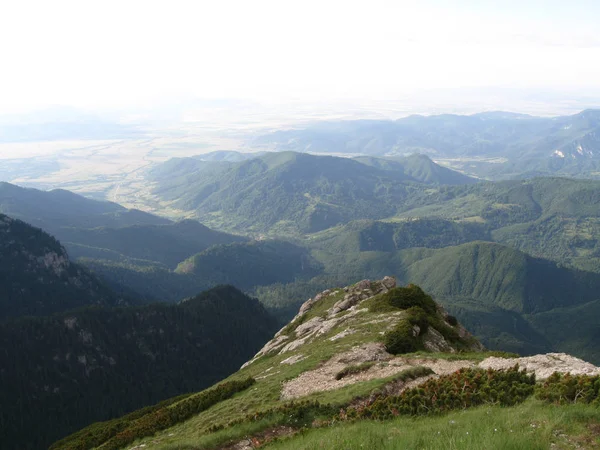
(51, 210)
(244, 265)
(164, 244)
(521, 145)
(377, 354)
(502, 294)
(419, 168)
(37, 278)
(291, 192)
(554, 218)
(252, 264)
(371, 235)
(68, 370)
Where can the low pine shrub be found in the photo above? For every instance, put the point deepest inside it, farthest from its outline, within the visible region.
(452, 320)
(354, 369)
(409, 296)
(566, 388)
(462, 389)
(404, 338)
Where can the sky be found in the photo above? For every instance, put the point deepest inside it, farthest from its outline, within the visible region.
(110, 54)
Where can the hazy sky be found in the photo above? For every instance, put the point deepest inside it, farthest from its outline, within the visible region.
(114, 53)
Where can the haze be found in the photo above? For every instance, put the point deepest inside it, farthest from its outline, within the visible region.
(109, 54)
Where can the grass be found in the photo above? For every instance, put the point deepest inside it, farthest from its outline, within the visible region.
(531, 425)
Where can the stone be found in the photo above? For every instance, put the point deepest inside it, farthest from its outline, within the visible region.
(433, 341)
(364, 284)
(294, 345)
(389, 282)
(544, 365)
(309, 327)
(293, 359)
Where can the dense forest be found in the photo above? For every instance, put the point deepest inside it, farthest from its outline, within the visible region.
(68, 370)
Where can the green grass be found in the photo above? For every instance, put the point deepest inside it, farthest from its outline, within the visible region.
(531, 425)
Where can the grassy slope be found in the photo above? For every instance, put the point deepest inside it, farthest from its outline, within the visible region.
(532, 425)
(270, 374)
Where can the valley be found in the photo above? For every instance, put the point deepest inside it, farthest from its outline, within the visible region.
(187, 259)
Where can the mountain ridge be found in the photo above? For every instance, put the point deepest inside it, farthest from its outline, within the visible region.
(347, 354)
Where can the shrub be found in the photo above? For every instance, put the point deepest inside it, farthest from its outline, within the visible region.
(452, 320)
(403, 337)
(567, 388)
(354, 369)
(462, 389)
(409, 296)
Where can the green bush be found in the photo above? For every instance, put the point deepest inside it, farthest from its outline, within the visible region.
(408, 297)
(567, 388)
(402, 338)
(462, 389)
(351, 370)
(452, 320)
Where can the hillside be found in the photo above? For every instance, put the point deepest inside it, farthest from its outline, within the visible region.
(419, 168)
(251, 264)
(245, 265)
(507, 298)
(37, 278)
(370, 235)
(51, 210)
(162, 244)
(353, 354)
(491, 145)
(286, 192)
(98, 363)
(553, 218)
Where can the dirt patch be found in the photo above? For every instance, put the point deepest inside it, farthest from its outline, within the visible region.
(323, 378)
(594, 429)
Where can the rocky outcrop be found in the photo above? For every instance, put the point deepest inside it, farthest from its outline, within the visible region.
(544, 365)
(323, 378)
(346, 311)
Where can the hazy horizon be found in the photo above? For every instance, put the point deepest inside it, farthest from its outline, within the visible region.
(131, 56)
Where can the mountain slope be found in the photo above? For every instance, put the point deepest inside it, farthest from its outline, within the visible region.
(288, 190)
(419, 168)
(346, 357)
(503, 295)
(368, 235)
(250, 264)
(51, 210)
(496, 145)
(37, 277)
(98, 363)
(504, 277)
(164, 244)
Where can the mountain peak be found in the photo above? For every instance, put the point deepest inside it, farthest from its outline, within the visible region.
(408, 319)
